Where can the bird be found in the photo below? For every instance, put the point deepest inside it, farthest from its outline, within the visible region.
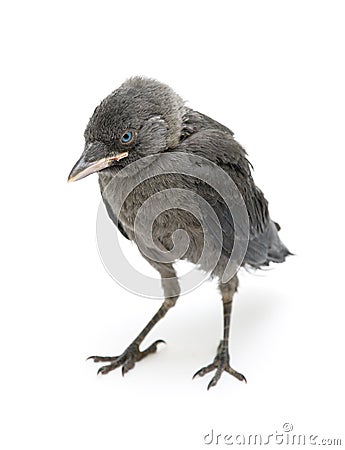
(145, 142)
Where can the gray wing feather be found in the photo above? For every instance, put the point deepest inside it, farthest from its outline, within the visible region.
(215, 142)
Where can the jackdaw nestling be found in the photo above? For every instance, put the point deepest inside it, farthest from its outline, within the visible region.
(145, 143)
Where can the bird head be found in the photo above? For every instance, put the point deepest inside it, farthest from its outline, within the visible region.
(142, 117)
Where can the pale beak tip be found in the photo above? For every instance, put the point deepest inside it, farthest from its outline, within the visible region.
(84, 168)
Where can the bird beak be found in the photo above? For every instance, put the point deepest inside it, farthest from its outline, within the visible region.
(93, 159)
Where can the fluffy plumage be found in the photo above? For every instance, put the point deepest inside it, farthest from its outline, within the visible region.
(161, 124)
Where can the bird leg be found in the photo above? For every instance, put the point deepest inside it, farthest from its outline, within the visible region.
(221, 362)
(132, 354)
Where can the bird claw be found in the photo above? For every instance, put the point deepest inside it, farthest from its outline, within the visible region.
(127, 359)
(220, 364)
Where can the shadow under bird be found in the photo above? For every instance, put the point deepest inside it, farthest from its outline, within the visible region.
(138, 125)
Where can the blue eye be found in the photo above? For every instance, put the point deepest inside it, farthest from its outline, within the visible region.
(127, 137)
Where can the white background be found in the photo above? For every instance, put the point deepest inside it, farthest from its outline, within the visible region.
(272, 71)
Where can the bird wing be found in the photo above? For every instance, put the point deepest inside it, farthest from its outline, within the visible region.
(195, 121)
(219, 146)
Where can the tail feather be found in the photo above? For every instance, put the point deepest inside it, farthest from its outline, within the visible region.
(266, 247)
(277, 251)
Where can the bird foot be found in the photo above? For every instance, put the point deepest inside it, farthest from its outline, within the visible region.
(220, 364)
(127, 359)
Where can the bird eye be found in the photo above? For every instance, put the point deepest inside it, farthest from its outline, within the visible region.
(127, 137)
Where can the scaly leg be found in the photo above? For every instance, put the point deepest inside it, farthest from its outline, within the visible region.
(132, 354)
(221, 362)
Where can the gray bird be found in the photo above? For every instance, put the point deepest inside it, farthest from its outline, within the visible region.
(143, 141)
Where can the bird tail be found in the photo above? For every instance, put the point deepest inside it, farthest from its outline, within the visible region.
(277, 251)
